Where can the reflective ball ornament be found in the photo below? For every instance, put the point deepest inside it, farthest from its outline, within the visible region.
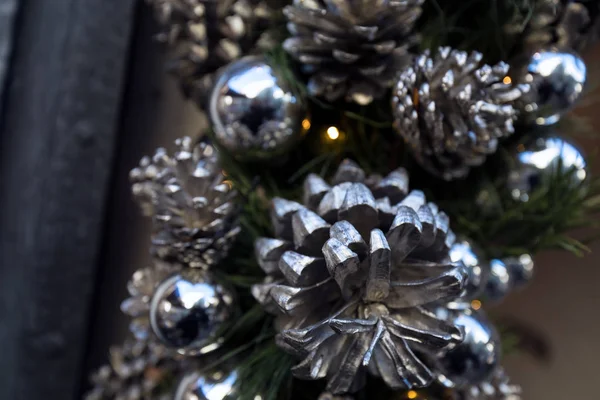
(538, 158)
(520, 270)
(188, 311)
(477, 268)
(557, 79)
(499, 282)
(474, 360)
(254, 113)
(213, 386)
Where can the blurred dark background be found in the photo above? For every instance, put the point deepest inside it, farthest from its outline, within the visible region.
(83, 96)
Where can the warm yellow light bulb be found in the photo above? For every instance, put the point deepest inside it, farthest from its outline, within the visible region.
(507, 80)
(306, 124)
(412, 394)
(476, 305)
(333, 133)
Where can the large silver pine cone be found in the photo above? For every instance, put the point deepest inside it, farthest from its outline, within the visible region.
(137, 370)
(564, 24)
(205, 35)
(352, 274)
(190, 201)
(352, 49)
(498, 387)
(451, 110)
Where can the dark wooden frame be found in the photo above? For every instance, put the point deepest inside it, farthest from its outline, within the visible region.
(62, 69)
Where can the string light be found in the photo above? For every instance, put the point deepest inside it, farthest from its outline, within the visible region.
(507, 80)
(412, 394)
(306, 124)
(476, 305)
(333, 133)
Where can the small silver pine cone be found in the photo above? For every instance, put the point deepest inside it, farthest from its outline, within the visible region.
(205, 35)
(190, 202)
(497, 388)
(137, 371)
(353, 273)
(352, 49)
(564, 24)
(452, 110)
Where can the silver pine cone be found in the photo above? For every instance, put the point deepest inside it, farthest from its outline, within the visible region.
(352, 49)
(205, 35)
(137, 370)
(452, 109)
(498, 387)
(565, 24)
(352, 274)
(190, 201)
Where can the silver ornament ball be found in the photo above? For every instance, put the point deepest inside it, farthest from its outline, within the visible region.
(557, 79)
(520, 270)
(217, 385)
(499, 281)
(475, 359)
(254, 113)
(188, 311)
(477, 267)
(538, 158)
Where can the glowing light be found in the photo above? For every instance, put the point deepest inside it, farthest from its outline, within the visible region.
(333, 133)
(507, 80)
(306, 124)
(412, 394)
(476, 305)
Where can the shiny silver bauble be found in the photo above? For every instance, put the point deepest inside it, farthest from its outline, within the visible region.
(499, 281)
(254, 113)
(188, 311)
(520, 270)
(556, 79)
(538, 158)
(507, 275)
(474, 360)
(477, 267)
(212, 386)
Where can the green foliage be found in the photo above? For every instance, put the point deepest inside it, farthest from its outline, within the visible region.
(266, 361)
(492, 27)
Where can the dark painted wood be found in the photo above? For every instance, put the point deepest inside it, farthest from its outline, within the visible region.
(57, 141)
(8, 16)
